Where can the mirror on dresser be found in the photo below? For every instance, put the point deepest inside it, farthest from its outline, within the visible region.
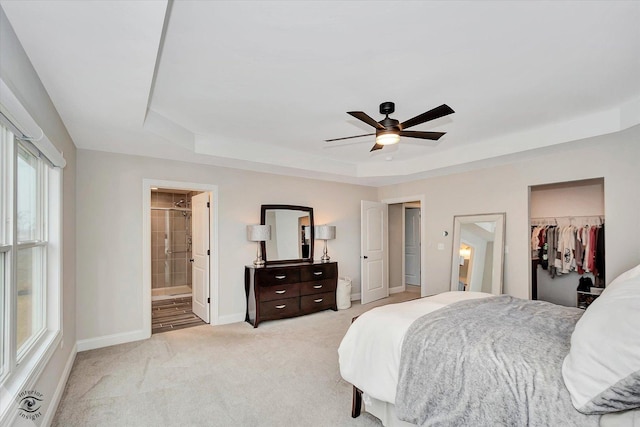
(291, 233)
(478, 249)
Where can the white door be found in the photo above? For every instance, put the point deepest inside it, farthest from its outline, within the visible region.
(200, 207)
(375, 258)
(412, 246)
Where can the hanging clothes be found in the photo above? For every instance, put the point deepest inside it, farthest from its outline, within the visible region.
(568, 248)
(599, 254)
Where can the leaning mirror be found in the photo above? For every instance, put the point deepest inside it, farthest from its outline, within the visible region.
(478, 253)
(291, 233)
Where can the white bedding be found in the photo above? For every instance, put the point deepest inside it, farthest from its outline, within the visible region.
(369, 354)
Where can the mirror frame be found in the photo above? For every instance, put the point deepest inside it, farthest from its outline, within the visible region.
(263, 215)
(498, 248)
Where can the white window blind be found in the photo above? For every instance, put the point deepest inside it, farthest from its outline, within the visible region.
(14, 116)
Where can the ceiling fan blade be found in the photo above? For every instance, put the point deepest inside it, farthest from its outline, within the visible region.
(348, 137)
(376, 147)
(422, 135)
(365, 118)
(436, 113)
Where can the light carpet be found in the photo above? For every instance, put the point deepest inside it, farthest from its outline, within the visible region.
(284, 373)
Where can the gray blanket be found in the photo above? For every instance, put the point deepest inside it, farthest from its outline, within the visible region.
(489, 362)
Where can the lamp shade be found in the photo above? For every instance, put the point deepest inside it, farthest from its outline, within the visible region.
(325, 232)
(258, 233)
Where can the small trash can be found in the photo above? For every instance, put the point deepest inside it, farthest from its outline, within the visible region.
(343, 293)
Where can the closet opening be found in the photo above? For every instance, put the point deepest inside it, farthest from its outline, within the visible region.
(567, 235)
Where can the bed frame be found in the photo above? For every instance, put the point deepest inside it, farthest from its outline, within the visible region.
(356, 398)
(356, 402)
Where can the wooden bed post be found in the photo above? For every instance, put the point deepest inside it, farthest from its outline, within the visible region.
(356, 399)
(356, 402)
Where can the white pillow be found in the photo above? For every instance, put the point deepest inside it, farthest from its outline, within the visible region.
(602, 369)
(630, 274)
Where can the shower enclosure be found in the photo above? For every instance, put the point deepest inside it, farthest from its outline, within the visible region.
(170, 245)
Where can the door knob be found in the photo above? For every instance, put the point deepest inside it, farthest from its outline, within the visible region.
(191, 260)
(365, 257)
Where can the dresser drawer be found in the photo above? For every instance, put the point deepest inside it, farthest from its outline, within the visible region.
(279, 291)
(318, 287)
(319, 272)
(280, 308)
(317, 302)
(273, 276)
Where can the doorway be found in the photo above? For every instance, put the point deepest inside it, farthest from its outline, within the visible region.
(397, 271)
(412, 244)
(180, 262)
(405, 243)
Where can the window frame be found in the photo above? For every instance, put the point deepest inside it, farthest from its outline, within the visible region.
(21, 368)
(38, 239)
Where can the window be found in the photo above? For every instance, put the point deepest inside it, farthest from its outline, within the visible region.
(29, 263)
(31, 247)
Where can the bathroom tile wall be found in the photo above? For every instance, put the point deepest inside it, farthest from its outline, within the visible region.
(170, 245)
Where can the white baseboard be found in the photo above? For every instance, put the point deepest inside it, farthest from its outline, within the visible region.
(394, 290)
(62, 382)
(231, 318)
(108, 340)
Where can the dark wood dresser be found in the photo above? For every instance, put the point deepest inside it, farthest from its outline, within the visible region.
(287, 290)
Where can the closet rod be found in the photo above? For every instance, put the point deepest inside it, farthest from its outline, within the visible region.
(571, 216)
(584, 218)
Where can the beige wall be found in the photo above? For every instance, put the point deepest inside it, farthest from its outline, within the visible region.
(582, 198)
(505, 188)
(109, 227)
(18, 73)
(109, 231)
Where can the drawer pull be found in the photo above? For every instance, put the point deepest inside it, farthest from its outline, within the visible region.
(281, 277)
(281, 292)
(280, 307)
(317, 273)
(317, 286)
(317, 300)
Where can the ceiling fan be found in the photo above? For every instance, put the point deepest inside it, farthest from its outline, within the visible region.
(389, 131)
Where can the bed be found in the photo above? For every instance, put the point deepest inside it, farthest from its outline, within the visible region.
(470, 358)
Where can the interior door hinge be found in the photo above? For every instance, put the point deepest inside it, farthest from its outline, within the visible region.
(208, 300)
(208, 252)
(208, 204)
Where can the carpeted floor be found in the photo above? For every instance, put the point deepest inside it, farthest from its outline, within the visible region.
(284, 373)
(172, 314)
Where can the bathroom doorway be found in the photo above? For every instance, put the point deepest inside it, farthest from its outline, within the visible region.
(180, 263)
(171, 260)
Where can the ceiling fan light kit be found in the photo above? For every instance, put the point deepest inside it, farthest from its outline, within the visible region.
(389, 131)
(387, 138)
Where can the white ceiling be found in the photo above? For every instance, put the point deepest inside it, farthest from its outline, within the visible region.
(261, 84)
